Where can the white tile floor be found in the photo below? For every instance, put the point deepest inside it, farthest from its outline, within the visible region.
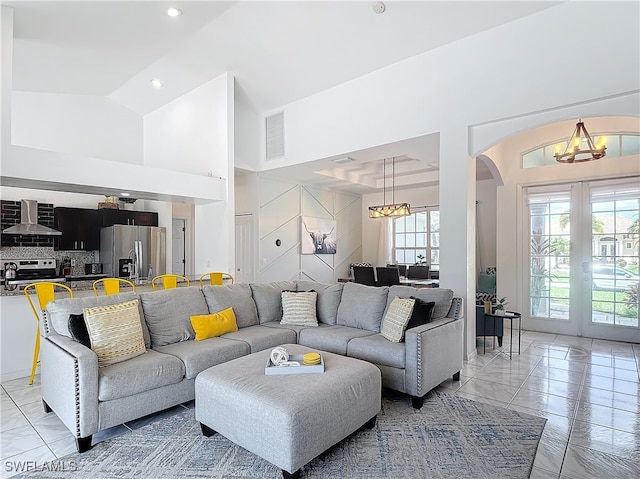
(589, 390)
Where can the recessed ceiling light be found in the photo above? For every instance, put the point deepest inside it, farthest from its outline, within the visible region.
(346, 159)
(174, 12)
(125, 194)
(156, 83)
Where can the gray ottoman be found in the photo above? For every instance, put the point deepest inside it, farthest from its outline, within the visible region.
(287, 419)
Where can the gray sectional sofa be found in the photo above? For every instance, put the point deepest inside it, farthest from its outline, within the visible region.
(89, 399)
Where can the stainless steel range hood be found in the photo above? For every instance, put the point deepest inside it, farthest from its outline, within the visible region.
(29, 222)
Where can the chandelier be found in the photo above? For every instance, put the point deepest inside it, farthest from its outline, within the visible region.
(393, 209)
(580, 147)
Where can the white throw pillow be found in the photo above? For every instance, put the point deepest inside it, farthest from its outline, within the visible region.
(115, 332)
(395, 321)
(299, 308)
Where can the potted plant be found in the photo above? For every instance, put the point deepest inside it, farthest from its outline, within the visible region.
(500, 308)
(421, 260)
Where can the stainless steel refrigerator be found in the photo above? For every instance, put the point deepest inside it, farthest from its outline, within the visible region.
(132, 251)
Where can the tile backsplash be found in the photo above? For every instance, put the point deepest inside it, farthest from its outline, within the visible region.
(42, 252)
(10, 216)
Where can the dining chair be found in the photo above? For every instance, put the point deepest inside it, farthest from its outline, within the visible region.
(169, 281)
(418, 271)
(216, 278)
(402, 269)
(364, 275)
(387, 276)
(111, 285)
(45, 291)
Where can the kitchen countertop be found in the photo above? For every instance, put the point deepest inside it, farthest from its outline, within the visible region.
(86, 277)
(84, 284)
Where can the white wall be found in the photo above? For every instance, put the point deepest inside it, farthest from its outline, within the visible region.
(481, 78)
(194, 134)
(85, 125)
(247, 186)
(6, 59)
(486, 223)
(18, 337)
(189, 134)
(57, 198)
(249, 124)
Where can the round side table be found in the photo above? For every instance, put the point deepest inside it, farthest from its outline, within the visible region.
(510, 315)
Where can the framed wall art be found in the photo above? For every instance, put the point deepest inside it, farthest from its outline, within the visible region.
(318, 235)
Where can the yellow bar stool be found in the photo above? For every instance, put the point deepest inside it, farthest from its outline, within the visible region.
(216, 278)
(168, 281)
(111, 285)
(45, 292)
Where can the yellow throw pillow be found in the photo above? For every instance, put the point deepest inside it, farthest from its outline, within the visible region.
(212, 325)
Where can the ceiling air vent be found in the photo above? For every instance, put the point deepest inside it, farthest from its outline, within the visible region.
(275, 136)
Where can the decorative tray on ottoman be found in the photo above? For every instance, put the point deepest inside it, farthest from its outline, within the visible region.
(271, 369)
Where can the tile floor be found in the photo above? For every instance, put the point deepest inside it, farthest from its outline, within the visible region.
(589, 390)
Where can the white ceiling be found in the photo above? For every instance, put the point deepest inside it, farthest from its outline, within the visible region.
(279, 52)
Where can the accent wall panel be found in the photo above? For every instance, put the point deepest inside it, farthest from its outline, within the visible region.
(344, 200)
(279, 211)
(349, 224)
(316, 202)
(288, 235)
(315, 267)
(341, 268)
(286, 268)
(282, 205)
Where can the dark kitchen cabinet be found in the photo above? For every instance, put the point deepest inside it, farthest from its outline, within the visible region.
(79, 227)
(110, 217)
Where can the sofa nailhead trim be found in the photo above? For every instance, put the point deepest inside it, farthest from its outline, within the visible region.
(76, 371)
(45, 323)
(419, 370)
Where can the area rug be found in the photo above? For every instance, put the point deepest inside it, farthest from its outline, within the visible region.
(449, 437)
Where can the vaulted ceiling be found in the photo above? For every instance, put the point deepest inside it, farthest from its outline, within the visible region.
(278, 52)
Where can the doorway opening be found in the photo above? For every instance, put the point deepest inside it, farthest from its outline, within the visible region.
(178, 242)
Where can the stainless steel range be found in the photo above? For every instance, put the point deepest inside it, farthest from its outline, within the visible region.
(25, 271)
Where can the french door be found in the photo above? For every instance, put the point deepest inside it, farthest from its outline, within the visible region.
(583, 258)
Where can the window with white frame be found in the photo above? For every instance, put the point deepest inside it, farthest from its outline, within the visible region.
(617, 145)
(416, 238)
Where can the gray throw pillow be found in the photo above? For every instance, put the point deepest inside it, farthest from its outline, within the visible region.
(168, 314)
(441, 296)
(236, 296)
(267, 297)
(362, 306)
(58, 311)
(329, 296)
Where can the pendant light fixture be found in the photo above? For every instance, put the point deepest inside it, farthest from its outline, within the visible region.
(392, 209)
(580, 147)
